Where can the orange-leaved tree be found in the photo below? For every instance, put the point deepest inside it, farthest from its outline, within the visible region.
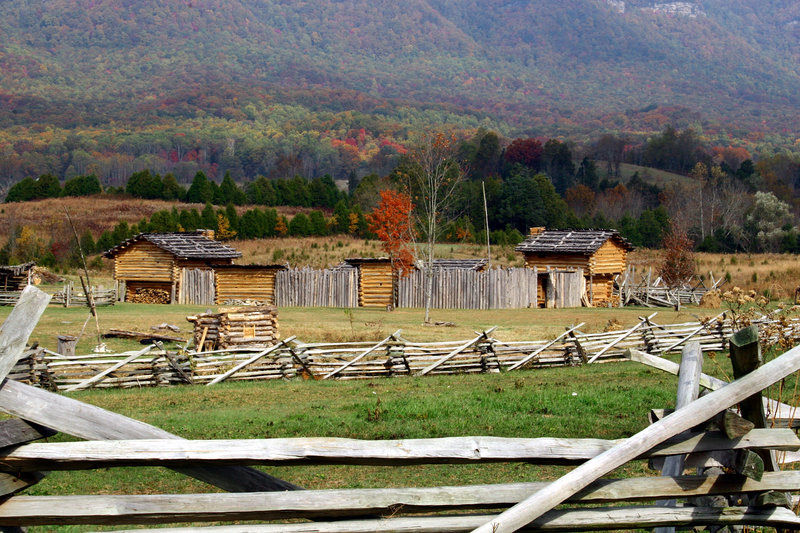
(391, 222)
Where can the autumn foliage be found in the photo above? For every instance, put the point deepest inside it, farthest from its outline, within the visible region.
(390, 221)
(678, 266)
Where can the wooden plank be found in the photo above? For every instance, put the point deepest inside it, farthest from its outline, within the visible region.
(363, 354)
(781, 414)
(90, 422)
(688, 391)
(162, 508)
(285, 451)
(562, 520)
(250, 361)
(543, 348)
(107, 371)
(618, 339)
(19, 325)
(14, 432)
(681, 420)
(745, 354)
(457, 351)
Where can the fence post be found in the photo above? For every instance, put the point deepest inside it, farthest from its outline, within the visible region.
(66, 345)
(688, 391)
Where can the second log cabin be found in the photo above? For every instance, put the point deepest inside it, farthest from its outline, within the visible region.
(154, 262)
(601, 254)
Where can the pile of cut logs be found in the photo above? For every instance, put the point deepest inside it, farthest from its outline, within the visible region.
(150, 296)
(234, 327)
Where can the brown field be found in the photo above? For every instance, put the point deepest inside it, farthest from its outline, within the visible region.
(96, 214)
(773, 275)
(776, 275)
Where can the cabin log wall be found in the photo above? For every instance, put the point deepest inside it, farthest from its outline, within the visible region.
(245, 283)
(375, 285)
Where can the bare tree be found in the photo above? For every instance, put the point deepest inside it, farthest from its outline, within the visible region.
(433, 175)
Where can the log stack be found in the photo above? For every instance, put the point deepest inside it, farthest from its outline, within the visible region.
(236, 327)
(147, 295)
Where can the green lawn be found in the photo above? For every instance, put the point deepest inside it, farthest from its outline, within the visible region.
(606, 401)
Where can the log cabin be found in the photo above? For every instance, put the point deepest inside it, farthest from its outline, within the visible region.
(601, 254)
(376, 281)
(246, 282)
(156, 261)
(15, 277)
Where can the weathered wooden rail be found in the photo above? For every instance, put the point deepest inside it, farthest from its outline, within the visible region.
(390, 357)
(648, 289)
(114, 440)
(67, 297)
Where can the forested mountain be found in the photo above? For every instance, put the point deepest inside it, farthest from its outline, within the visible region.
(84, 80)
(501, 56)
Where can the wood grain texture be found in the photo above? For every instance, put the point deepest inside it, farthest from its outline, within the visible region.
(688, 391)
(681, 420)
(561, 520)
(317, 504)
(19, 325)
(98, 453)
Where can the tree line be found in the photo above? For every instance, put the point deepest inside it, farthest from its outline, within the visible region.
(723, 200)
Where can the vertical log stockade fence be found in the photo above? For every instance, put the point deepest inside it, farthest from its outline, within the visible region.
(705, 430)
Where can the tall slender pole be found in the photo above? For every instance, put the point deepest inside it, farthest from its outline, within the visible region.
(86, 288)
(486, 220)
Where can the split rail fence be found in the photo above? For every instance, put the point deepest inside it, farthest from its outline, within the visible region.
(649, 290)
(393, 356)
(752, 491)
(67, 297)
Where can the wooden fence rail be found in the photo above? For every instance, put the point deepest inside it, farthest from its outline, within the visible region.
(115, 440)
(67, 297)
(393, 356)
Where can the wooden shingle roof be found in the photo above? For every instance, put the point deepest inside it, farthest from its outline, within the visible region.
(460, 264)
(583, 241)
(16, 270)
(185, 245)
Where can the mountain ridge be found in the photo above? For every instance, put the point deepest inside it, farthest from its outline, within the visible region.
(530, 63)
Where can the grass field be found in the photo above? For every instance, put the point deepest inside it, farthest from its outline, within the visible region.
(605, 401)
(608, 401)
(340, 325)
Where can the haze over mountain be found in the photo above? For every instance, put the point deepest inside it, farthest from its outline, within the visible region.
(543, 66)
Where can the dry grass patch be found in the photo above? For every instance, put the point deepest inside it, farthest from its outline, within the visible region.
(772, 275)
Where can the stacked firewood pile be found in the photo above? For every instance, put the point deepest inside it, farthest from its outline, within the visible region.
(150, 296)
(234, 327)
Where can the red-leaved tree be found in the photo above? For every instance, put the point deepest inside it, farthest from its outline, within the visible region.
(391, 222)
